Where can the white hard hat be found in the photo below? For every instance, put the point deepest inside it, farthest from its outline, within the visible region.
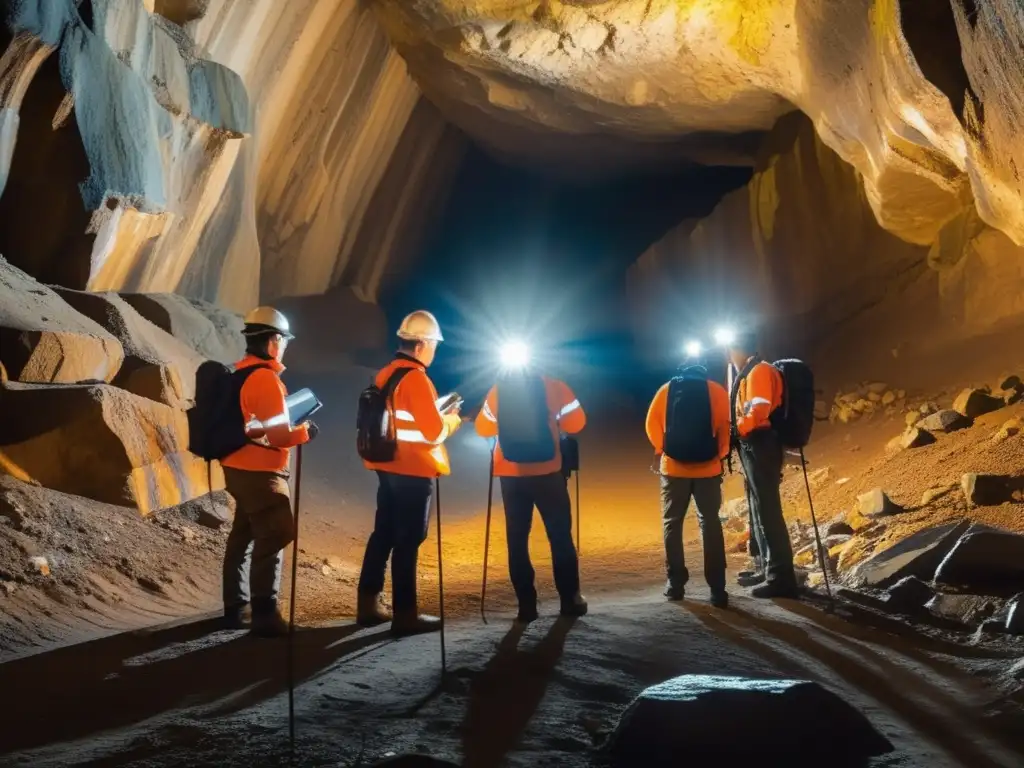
(420, 326)
(266, 320)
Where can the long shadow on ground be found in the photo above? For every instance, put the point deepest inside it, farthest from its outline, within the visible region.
(121, 680)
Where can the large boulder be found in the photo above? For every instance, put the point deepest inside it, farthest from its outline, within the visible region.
(990, 490)
(100, 442)
(917, 555)
(213, 332)
(984, 557)
(44, 340)
(876, 503)
(695, 719)
(908, 595)
(156, 365)
(973, 403)
(943, 421)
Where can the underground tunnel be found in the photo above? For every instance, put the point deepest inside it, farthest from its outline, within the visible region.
(612, 189)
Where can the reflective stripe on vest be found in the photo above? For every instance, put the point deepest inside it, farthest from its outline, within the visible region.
(406, 432)
(574, 405)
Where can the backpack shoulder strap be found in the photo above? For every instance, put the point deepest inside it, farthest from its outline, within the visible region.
(394, 380)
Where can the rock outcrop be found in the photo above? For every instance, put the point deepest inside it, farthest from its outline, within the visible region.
(214, 149)
(93, 402)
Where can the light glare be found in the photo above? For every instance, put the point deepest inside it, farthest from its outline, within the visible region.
(515, 354)
(725, 337)
(693, 349)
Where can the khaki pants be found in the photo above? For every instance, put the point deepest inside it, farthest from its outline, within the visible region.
(264, 526)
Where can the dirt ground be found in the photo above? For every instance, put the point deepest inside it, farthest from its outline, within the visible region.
(190, 694)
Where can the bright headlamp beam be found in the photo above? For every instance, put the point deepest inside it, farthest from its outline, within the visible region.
(514, 355)
(692, 349)
(725, 337)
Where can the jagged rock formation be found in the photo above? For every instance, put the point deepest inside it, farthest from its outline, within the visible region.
(93, 395)
(799, 251)
(206, 135)
(920, 96)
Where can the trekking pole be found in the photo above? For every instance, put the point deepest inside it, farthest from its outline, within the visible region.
(291, 605)
(487, 536)
(440, 575)
(579, 551)
(817, 534)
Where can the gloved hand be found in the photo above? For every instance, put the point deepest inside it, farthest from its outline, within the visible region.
(312, 430)
(453, 421)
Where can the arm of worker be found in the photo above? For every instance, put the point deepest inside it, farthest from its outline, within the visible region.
(758, 406)
(487, 419)
(570, 416)
(263, 397)
(721, 418)
(656, 419)
(422, 397)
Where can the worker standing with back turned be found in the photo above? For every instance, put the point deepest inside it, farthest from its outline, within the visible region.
(757, 392)
(688, 424)
(406, 483)
(256, 475)
(526, 412)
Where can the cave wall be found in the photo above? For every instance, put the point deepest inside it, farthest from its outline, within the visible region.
(800, 254)
(228, 151)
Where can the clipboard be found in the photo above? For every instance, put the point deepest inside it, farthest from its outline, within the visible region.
(301, 405)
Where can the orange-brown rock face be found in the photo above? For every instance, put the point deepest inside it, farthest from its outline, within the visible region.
(920, 96)
(210, 147)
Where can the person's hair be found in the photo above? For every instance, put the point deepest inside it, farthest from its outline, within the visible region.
(257, 344)
(408, 346)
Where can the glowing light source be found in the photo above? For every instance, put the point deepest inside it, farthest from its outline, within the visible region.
(514, 355)
(725, 336)
(692, 348)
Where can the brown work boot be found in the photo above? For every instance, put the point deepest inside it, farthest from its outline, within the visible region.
(369, 611)
(412, 622)
(267, 622)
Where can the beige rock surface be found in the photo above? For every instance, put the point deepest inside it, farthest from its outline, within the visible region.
(156, 365)
(102, 443)
(45, 340)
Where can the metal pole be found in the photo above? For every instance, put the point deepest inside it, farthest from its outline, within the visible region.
(440, 575)
(291, 605)
(487, 536)
(817, 534)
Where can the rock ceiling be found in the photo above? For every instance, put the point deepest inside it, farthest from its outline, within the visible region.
(921, 96)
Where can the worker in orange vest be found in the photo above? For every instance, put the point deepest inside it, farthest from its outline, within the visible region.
(256, 476)
(688, 424)
(527, 412)
(405, 484)
(757, 391)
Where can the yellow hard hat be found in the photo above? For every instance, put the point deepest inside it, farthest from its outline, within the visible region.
(420, 326)
(266, 320)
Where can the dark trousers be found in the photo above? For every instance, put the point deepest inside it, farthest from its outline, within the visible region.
(761, 457)
(676, 493)
(400, 526)
(262, 528)
(550, 495)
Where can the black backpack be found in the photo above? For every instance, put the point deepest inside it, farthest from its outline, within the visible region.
(794, 419)
(376, 439)
(216, 425)
(689, 431)
(524, 426)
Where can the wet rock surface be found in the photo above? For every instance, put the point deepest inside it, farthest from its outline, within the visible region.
(918, 555)
(984, 557)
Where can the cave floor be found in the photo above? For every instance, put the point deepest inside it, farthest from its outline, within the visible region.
(191, 694)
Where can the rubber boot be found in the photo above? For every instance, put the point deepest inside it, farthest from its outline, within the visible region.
(266, 621)
(575, 606)
(719, 598)
(411, 622)
(369, 612)
(674, 593)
